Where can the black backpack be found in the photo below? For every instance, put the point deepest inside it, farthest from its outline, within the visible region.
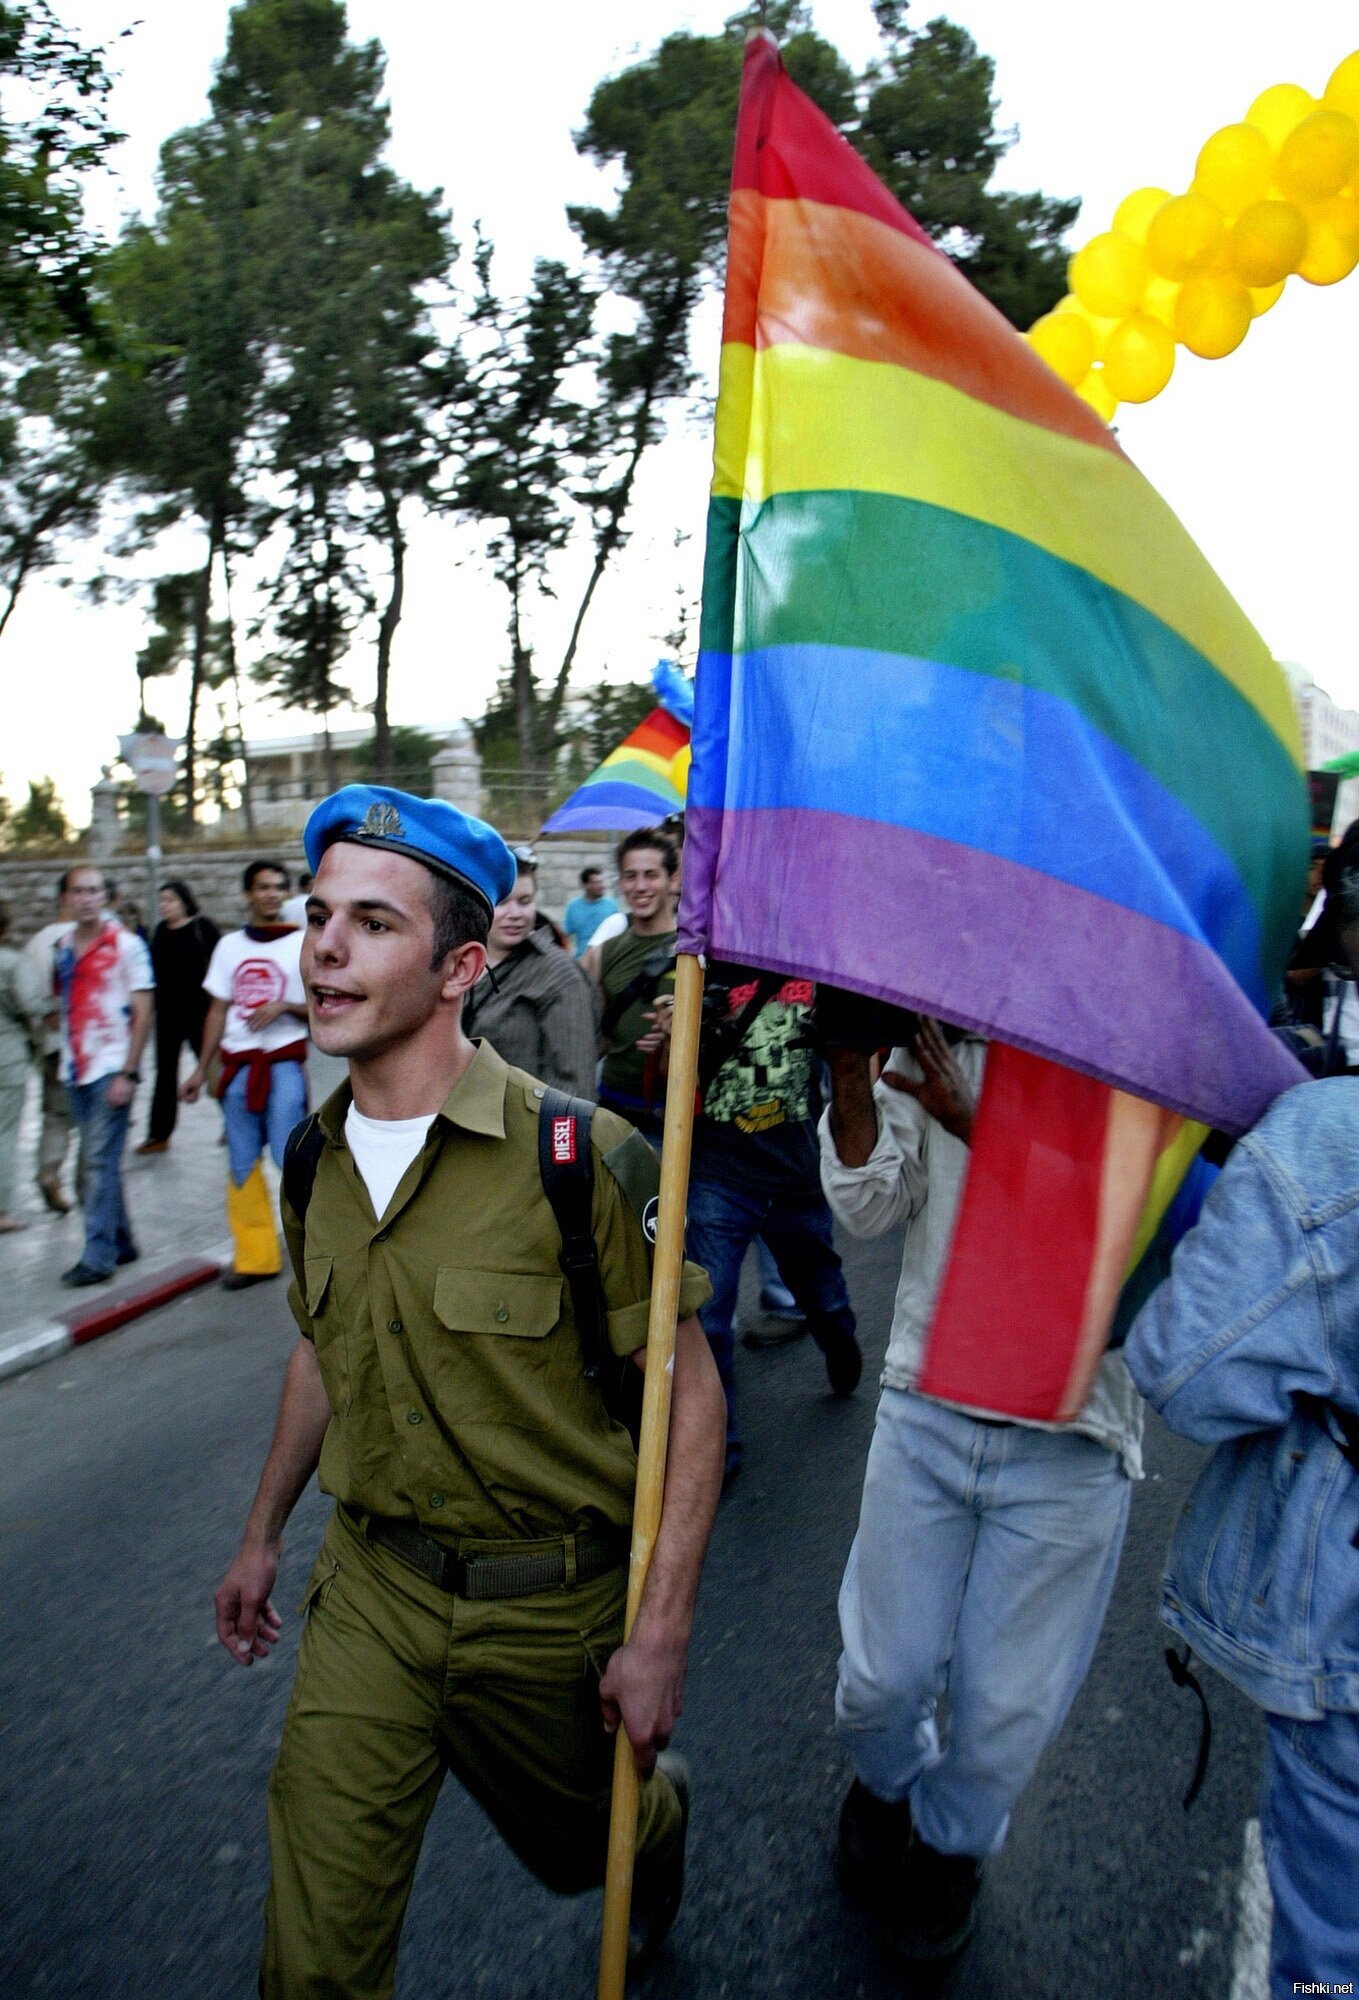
(567, 1168)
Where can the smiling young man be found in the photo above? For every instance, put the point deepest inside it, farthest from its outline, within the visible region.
(465, 1612)
(256, 1020)
(634, 971)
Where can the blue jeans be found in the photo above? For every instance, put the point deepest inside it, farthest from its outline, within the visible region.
(249, 1132)
(1309, 1829)
(103, 1133)
(982, 1569)
(722, 1223)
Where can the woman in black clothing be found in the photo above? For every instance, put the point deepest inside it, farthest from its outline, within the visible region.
(181, 946)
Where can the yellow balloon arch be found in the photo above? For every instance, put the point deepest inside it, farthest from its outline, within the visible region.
(1274, 197)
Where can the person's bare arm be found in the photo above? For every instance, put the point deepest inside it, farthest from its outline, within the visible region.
(213, 1025)
(247, 1623)
(273, 1010)
(120, 1088)
(853, 1114)
(643, 1685)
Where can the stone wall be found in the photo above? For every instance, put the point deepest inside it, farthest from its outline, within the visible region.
(28, 887)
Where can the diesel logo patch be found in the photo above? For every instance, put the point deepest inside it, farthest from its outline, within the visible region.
(564, 1141)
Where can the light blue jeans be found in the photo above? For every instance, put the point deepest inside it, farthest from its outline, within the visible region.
(103, 1134)
(249, 1132)
(982, 1569)
(1309, 1829)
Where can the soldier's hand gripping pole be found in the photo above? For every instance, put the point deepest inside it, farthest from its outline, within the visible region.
(666, 1270)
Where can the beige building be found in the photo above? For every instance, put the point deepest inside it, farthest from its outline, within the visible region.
(290, 774)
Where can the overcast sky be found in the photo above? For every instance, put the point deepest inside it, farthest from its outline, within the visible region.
(1258, 454)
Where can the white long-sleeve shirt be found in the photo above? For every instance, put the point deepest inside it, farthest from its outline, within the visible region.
(915, 1175)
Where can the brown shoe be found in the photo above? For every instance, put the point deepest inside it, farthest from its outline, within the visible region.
(153, 1146)
(53, 1196)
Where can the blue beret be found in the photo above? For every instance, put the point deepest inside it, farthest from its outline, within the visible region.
(430, 831)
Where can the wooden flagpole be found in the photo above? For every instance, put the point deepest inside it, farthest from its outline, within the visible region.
(667, 1265)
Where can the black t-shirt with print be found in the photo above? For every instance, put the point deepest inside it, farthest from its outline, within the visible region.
(757, 1128)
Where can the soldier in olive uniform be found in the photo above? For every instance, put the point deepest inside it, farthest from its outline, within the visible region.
(466, 1609)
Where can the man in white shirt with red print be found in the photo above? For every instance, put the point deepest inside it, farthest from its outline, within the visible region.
(104, 980)
(257, 1023)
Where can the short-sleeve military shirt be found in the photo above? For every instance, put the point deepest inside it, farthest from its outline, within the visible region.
(444, 1330)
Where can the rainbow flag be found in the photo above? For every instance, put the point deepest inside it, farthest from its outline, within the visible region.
(978, 730)
(638, 784)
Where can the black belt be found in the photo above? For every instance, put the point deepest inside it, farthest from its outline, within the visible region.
(557, 1565)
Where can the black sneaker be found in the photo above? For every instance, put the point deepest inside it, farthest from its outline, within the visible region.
(654, 1913)
(843, 1357)
(937, 1914)
(240, 1281)
(875, 1843)
(85, 1274)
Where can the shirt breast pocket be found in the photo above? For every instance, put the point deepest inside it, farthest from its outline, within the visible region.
(327, 1329)
(496, 1364)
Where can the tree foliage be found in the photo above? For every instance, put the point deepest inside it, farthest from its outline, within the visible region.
(528, 442)
(53, 132)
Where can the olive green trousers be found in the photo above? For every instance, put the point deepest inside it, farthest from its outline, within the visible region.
(397, 1683)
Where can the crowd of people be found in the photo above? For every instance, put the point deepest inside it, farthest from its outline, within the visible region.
(456, 1377)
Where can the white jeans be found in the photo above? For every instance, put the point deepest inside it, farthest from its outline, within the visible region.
(982, 1569)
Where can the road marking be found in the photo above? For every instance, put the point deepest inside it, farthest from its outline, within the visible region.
(1254, 1916)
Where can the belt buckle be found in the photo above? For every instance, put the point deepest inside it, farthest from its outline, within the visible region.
(452, 1575)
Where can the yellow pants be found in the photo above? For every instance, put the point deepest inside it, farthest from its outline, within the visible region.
(398, 1683)
(251, 1215)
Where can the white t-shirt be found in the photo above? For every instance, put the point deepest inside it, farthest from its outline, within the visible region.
(383, 1148)
(250, 972)
(96, 989)
(294, 911)
(611, 927)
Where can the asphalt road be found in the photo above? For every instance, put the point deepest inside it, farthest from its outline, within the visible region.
(133, 1755)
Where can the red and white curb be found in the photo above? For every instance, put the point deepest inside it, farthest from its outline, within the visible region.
(38, 1340)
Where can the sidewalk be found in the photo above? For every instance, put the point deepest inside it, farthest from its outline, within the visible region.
(177, 1204)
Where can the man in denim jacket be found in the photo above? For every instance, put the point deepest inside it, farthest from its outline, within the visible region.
(1252, 1345)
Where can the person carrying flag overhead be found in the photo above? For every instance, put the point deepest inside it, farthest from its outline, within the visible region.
(986, 1548)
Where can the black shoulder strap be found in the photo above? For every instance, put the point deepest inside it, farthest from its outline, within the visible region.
(301, 1157)
(567, 1169)
(643, 987)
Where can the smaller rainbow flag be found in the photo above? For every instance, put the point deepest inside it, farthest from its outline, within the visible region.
(644, 779)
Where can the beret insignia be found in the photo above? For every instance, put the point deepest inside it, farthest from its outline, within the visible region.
(383, 822)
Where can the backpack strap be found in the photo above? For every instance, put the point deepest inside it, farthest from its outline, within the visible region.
(567, 1170)
(301, 1157)
(644, 986)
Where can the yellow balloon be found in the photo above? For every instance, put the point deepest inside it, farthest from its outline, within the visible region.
(1261, 299)
(1235, 168)
(1095, 391)
(1342, 92)
(1185, 236)
(1159, 300)
(1134, 212)
(1267, 242)
(1139, 359)
(1213, 315)
(1318, 156)
(1066, 342)
(1277, 110)
(1109, 275)
(1332, 241)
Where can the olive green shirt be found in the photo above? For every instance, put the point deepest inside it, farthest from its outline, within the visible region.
(444, 1331)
